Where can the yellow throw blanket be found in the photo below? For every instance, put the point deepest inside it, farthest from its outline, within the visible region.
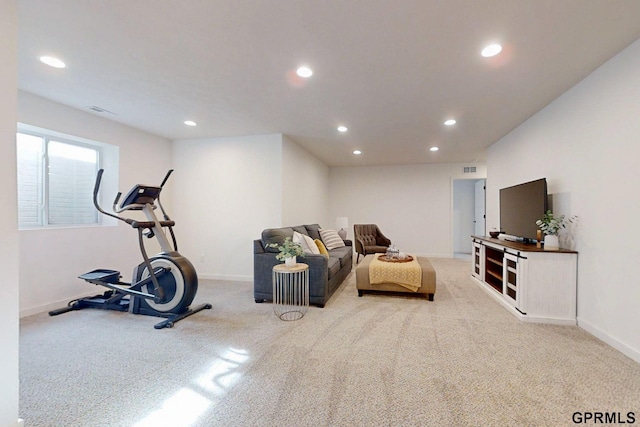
(406, 274)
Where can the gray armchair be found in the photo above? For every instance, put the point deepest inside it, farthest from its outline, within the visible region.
(369, 240)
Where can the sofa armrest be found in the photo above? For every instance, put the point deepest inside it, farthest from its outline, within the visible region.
(314, 261)
(257, 247)
(318, 274)
(382, 240)
(263, 264)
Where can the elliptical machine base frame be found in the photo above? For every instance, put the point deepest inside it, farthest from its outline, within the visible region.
(117, 300)
(111, 300)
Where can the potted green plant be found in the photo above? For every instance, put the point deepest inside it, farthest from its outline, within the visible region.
(289, 250)
(550, 225)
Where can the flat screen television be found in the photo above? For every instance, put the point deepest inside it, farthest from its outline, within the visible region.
(520, 207)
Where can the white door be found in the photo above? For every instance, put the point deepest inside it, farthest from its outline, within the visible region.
(479, 217)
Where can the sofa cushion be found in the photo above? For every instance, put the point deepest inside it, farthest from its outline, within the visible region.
(313, 231)
(331, 239)
(307, 243)
(334, 266)
(275, 235)
(301, 229)
(344, 254)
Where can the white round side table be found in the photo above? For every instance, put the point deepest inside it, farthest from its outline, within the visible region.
(290, 291)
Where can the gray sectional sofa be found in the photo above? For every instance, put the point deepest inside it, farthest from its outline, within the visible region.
(326, 274)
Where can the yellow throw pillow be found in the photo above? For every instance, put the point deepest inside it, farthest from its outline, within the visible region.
(321, 248)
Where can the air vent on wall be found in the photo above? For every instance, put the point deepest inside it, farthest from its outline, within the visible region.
(100, 110)
(469, 169)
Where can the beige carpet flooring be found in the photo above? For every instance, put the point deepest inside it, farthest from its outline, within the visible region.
(378, 360)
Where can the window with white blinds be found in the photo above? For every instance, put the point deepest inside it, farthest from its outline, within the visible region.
(55, 180)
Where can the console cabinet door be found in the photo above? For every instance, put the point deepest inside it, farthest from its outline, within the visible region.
(478, 260)
(512, 286)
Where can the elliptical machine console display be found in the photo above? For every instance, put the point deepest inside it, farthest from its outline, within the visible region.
(163, 285)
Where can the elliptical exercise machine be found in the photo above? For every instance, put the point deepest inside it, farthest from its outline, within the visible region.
(163, 285)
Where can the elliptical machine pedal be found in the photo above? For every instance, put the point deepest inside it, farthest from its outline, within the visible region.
(163, 285)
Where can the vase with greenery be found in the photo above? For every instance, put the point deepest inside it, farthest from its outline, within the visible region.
(551, 225)
(289, 250)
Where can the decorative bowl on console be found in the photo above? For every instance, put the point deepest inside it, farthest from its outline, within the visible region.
(494, 233)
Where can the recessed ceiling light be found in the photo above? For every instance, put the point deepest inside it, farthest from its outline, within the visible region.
(450, 122)
(304, 72)
(190, 123)
(342, 129)
(491, 50)
(52, 62)
(357, 152)
(434, 148)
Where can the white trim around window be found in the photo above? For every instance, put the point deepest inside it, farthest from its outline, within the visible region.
(56, 176)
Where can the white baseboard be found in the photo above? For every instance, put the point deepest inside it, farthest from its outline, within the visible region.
(52, 305)
(223, 277)
(608, 339)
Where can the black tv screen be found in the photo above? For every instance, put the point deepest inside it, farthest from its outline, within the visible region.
(520, 207)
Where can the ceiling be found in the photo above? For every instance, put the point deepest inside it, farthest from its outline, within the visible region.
(391, 71)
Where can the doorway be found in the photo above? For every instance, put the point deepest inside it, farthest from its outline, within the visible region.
(469, 214)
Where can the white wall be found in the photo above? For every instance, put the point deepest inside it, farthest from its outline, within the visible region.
(9, 243)
(305, 192)
(233, 188)
(411, 204)
(586, 144)
(62, 254)
(230, 190)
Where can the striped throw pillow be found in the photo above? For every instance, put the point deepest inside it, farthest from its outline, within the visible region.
(331, 239)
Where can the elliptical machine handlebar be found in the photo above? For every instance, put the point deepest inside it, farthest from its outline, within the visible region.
(164, 213)
(133, 206)
(166, 178)
(96, 188)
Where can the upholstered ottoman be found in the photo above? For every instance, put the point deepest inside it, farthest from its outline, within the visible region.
(427, 285)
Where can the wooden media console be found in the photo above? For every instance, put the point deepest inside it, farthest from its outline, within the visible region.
(533, 284)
